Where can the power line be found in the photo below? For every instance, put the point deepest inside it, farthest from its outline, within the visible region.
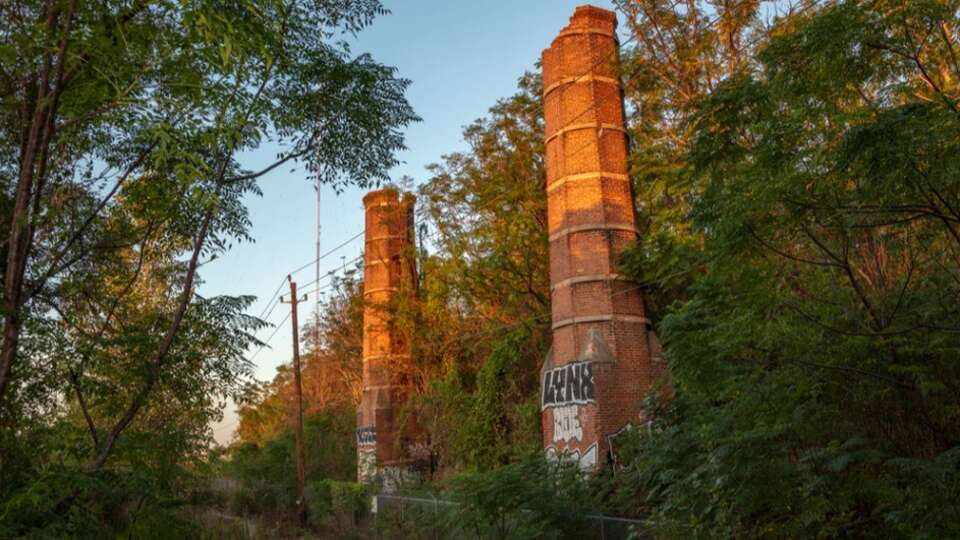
(433, 237)
(269, 312)
(267, 341)
(276, 329)
(318, 289)
(275, 298)
(334, 271)
(275, 304)
(272, 298)
(327, 254)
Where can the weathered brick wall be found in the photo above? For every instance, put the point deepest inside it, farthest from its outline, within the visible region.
(600, 330)
(389, 272)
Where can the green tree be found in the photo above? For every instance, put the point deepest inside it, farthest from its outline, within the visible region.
(127, 120)
(530, 498)
(102, 96)
(483, 327)
(814, 360)
(267, 471)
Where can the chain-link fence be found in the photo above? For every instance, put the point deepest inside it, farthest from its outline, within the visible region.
(419, 518)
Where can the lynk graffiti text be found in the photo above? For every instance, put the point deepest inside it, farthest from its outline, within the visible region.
(366, 436)
(567, 385)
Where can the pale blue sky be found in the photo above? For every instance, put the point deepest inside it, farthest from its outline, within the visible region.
(461, 56)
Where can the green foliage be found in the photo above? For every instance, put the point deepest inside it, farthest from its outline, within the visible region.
(812, 354)
(482, 331)
(66, 503)
(797, 184)
(125, 124)
(682, 53)
(529, 498)
(267, 472)
(335, 505)
(500, 419)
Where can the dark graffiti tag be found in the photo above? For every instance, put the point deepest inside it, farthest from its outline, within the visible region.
(568, 384)
(366, 436)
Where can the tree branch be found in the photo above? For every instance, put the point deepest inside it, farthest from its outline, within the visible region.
(278, 163)
(156, 364)
(787, 255)
(75, 383)
(79, 232)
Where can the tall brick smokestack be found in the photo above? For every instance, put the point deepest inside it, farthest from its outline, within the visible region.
(601, 363)
(389, 278)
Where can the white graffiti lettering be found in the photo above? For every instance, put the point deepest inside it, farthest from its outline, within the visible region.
(586, 460)
(366, 465)
(566, 423)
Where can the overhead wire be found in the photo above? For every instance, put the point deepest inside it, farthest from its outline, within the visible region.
(266, 342)
(270, 311)
(433, 236)
(280, 324)
(334, 271)
(327, 254)
(275, 297)
(272, 298)
(311, 291)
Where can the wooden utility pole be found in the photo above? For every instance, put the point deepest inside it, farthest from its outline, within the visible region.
(301, 473)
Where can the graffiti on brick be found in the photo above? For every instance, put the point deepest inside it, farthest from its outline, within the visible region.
(612, 441)
(585, 460)
(366, 465)
(366, 436)
(566, 423)
(568, 384)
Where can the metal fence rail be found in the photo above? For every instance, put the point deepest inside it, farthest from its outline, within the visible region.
(436, 527)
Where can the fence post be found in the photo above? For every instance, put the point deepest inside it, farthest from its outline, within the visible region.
(436, 517)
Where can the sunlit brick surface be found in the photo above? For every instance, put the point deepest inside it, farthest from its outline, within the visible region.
(388, 272)
(591, 221)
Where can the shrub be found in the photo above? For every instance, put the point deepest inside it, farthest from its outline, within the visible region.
(532, 498)
(338, 505)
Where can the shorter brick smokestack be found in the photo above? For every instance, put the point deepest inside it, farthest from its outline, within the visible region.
(389, 280)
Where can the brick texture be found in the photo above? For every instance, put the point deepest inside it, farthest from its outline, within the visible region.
(389, 273)
(598, 316)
